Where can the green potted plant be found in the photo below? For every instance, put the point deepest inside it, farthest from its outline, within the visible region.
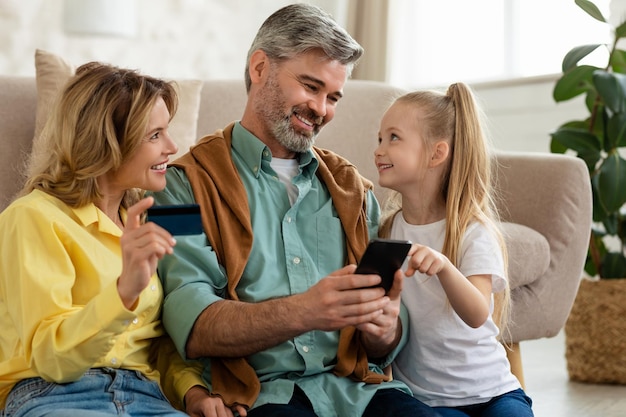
(595, 331)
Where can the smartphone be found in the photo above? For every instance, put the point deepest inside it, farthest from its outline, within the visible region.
(183, 219)
(384, 257)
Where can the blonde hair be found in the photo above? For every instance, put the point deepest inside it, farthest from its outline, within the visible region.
(467, 186)
(98, 122)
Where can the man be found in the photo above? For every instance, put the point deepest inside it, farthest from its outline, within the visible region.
(268, 299)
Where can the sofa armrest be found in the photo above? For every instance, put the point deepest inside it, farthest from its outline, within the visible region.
(551, 194)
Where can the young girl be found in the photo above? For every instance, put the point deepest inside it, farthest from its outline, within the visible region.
(433, 154)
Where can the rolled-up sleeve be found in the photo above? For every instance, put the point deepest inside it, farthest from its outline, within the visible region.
(192, 277)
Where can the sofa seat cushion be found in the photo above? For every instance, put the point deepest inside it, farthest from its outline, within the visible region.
(528, 253)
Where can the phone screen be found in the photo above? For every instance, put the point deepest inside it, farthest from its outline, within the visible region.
(384, 257)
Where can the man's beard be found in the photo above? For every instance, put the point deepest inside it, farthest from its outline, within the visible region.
(270, 107)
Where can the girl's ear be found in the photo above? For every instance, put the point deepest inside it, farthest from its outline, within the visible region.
(440, 153)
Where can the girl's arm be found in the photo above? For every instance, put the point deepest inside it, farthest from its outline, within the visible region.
(470, 297)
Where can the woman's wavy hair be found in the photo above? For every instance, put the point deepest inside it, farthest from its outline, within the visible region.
(467, 186)
(97, 123)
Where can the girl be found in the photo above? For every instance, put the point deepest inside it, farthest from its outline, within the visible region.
(433, 154)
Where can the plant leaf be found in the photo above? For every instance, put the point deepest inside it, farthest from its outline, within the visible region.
(611, 182)
(612, 88)
(620, 31)
(621, 232)
(616, 130)
(576, 54)
(618, 61)
(590, 99)
(597, 243)
(591, 159)
(590, 267)
(600, 126)
(557, 147)
(599, 212)
(591, 9)
(578, 140)
(614, 265)
(574, 82)
(609, 222)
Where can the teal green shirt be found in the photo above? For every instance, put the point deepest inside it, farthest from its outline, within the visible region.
(294, 247)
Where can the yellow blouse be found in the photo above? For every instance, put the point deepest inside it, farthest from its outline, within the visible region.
(60, 312)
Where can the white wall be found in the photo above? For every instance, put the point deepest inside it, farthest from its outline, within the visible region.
(176, 38)
(210, 38)
(522, 113)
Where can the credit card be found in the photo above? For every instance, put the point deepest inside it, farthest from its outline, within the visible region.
(183, 219)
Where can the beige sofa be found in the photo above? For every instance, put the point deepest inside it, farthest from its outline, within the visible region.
(545, 198)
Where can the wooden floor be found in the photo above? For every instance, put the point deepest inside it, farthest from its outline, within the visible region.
(554, 395)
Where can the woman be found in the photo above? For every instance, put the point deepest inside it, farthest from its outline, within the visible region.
(79, 297)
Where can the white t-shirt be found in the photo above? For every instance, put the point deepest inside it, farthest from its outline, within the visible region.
(446, 362)
(287, 169)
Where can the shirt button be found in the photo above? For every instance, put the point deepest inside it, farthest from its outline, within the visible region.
(135, 321)
(288, 219)
(153, 287)
(255, 169)
(114, 361)
(296, 260)
(305, 349)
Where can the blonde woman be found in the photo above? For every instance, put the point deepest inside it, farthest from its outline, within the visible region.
(433, 154)
(80, 301)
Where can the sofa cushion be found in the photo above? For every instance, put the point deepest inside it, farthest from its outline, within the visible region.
(52, 72)
(524, 244)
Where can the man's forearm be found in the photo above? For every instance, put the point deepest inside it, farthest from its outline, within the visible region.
(235, 329)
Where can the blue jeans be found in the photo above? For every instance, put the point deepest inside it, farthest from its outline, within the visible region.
(512, 404)
(101, 392)
(385, 403)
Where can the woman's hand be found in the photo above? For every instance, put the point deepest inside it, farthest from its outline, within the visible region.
(142, 247)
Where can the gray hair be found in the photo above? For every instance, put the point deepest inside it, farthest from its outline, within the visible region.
(299, 28)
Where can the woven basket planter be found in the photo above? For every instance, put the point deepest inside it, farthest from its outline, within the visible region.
(595, 333)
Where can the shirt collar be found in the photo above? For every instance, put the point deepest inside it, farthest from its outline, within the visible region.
(253, 152)
(90, 214)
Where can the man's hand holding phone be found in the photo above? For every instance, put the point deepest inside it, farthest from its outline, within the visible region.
(349, 298)
(384, 257)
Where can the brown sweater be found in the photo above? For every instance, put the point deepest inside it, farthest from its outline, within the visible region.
(226, 219)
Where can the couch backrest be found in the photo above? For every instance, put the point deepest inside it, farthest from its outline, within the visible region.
(18, 102)
(353, 133)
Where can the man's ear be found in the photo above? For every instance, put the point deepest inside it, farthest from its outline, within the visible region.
(259, 66)
(440, 153)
